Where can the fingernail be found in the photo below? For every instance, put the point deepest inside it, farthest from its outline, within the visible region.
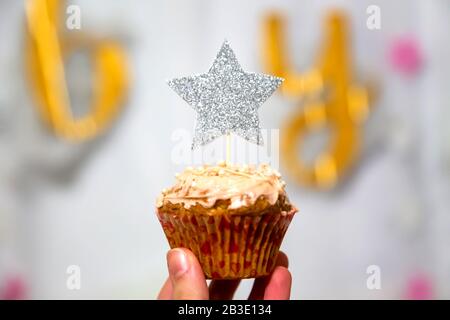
(177, 262)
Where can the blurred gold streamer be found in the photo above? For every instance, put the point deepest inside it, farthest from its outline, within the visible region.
(45, 53)
(333, 101)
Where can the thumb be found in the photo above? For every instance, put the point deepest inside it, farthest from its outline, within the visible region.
(186, 275)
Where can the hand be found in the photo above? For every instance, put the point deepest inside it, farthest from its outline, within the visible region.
(187, 281)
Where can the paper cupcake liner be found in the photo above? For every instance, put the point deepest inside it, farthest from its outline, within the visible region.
(229, 246)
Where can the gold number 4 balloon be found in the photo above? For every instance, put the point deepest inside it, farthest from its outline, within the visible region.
(333, 101)
(45, 53)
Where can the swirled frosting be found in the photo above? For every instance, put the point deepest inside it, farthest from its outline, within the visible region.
(242, 185)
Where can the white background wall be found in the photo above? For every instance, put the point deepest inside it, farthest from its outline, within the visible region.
(93, 205)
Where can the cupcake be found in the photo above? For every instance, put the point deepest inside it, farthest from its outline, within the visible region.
(233, 218)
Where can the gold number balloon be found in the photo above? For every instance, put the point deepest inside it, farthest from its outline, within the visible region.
(333, 101)
(46, 49)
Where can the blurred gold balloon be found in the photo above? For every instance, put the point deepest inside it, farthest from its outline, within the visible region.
(46, 49)
(332, 100)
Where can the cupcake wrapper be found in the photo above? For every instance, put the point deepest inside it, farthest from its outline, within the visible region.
(229, 246)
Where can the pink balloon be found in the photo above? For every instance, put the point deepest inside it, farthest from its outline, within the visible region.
(405, 55)
(14, 288)
(419, 287)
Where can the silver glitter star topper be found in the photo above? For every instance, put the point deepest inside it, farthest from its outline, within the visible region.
(226, 99)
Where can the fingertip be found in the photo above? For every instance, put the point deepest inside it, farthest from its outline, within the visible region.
(260, 284)
(178, 263)
(281, 275)
(186, 275)
(279, 285)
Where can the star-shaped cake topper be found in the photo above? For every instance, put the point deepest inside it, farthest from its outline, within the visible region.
(226, 99)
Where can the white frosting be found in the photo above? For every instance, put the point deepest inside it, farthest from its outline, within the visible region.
(241, 185)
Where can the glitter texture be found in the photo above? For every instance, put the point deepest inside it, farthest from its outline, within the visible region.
(226, 99)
